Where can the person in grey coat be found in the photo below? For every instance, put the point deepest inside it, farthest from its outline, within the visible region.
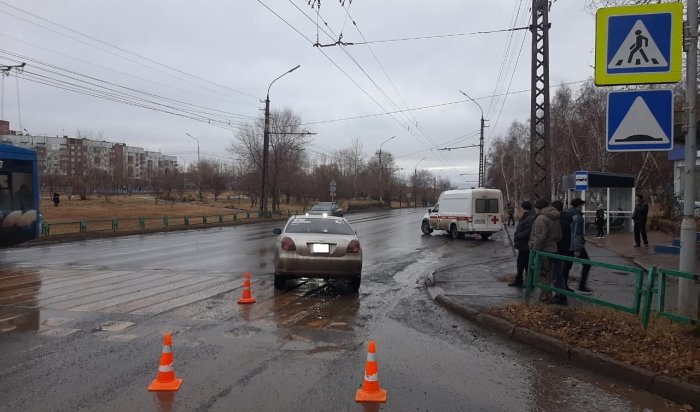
(546, 233)
(520, 240)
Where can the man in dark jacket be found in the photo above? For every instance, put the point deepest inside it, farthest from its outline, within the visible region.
(578, 242)
(520, 239)
(639, 217)
(563, 247)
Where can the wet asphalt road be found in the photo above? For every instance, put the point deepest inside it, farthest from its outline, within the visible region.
(83, 326)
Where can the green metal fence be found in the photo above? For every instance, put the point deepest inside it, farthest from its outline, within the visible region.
(143, 223)
(533, 281)
(643, 293)
(663, 275)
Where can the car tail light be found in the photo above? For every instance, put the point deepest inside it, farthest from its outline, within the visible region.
(354, 247)
(288, 244)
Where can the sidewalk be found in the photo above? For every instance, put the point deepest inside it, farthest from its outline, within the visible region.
(472, 289)
(623, 245)
(483, 284)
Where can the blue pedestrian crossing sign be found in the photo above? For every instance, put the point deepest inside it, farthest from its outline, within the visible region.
(639, 44)
(640, 120)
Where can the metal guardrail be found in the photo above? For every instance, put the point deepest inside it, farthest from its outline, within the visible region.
(662, 275)
(142, 223)
(642, 295)
(533, 281)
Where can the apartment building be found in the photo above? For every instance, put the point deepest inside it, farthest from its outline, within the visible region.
(68, 156)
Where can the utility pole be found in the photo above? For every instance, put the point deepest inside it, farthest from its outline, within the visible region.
(687, 288)
(380, 169)
(482, 167)
(5, 71)
(199, 169)
(539, 104)
(415, 180)
(266, 145)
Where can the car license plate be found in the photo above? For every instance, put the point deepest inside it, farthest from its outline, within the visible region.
(320, 248)
(480, 222)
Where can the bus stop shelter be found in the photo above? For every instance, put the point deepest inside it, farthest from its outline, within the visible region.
(614, 191)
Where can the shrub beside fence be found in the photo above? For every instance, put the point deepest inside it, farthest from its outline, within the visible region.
(643, 294)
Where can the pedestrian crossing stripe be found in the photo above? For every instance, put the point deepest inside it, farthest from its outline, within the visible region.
(638, 50)
(640, 120)
(639, 44)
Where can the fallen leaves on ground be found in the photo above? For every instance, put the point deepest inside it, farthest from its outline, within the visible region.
(665, 347)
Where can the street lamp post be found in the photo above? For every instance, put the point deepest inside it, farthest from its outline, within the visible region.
(415, 179)
(380, 169)
(199, 171)
(266, 145)
(482, 169)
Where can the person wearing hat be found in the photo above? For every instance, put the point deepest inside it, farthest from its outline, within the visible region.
(520, 240)
(578, 242)
(546, 233)
(600, 221)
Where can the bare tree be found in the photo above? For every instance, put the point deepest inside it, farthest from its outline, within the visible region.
(286, 148)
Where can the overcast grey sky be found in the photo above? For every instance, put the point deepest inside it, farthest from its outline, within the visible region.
(236, 48)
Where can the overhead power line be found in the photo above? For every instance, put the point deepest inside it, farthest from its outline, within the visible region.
(432, 106)
(39, 63)
(94, 39)
(437, 36)
(113, 70)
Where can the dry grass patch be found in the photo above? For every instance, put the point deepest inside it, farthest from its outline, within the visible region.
(665, 347)
(143, 205)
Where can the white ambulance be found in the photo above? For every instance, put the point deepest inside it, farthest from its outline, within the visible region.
(466, 211)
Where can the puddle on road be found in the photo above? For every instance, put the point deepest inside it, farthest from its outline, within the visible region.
(242, 332)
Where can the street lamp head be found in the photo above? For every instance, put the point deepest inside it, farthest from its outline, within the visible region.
(280, 76)
(474, 101)
(380, 146)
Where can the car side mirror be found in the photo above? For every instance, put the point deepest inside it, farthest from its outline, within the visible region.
(277, 231)
(430, 210)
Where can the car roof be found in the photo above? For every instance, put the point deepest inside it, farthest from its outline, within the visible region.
(309, 216)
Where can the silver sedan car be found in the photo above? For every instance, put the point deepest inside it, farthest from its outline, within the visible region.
(317, 246)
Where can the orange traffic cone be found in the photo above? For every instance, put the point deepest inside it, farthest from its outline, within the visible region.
(371, 391)
(166, 380)
(247, 296)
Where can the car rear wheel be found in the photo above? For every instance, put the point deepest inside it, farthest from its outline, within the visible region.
(485, 236)
(454, 233)
(280, 282)
(425, 228)
(354, 284)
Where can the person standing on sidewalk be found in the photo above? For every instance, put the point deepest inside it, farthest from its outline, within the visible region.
(520, 240)
(546, 233)
(578, 242)
(511, 214)
(564, 249)
(600, 222)
(639, 217)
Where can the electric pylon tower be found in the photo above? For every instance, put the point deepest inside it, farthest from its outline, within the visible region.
(540, 181)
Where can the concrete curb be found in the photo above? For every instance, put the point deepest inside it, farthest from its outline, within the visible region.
(670, 388)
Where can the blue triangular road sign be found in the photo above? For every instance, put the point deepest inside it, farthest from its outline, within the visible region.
(640, 120)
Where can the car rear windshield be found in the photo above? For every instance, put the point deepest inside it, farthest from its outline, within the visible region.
(321, 207)
(486, 206)
(327, 226)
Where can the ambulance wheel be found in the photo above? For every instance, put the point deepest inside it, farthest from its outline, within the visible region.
(485, 236)
(425, 228)
(453, 232)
